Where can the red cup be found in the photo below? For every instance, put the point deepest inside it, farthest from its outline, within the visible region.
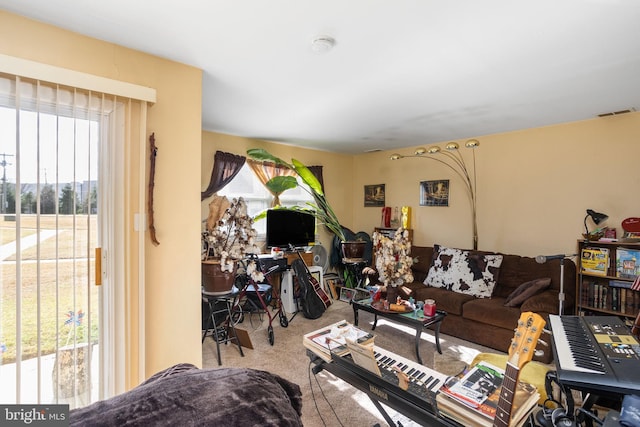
(429, 307)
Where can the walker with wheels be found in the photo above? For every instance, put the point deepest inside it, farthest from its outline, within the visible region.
(258, 295)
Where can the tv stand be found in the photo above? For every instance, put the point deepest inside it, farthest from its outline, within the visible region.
(306, 256)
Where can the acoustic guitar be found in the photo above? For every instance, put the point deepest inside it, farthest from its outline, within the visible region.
(520, 353)
(314, 283)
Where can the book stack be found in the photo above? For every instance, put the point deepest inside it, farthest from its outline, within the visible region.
(471, 398)
(332, 339)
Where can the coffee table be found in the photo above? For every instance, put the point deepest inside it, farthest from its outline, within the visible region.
(417, 321)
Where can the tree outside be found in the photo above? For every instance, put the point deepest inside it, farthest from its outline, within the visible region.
(68, 200)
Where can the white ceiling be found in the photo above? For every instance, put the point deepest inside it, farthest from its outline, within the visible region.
(402, 72)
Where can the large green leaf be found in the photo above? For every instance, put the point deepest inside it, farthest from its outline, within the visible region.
(307, 176)
(278, 184)
(264, 155)
(260, 216)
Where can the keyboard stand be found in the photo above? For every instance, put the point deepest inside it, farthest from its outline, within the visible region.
(379, 391)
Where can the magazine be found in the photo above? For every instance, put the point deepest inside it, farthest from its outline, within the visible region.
(476, 385)
(331, 339)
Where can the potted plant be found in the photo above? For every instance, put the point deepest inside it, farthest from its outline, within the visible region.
(229, 236)
(70, 375)
(321, 209)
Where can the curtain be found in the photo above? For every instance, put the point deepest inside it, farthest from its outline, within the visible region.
(267, 170)
(225, 167)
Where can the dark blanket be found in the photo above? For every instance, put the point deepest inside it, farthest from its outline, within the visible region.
(184, 395)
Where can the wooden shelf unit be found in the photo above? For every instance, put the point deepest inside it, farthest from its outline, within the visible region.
(606, 292)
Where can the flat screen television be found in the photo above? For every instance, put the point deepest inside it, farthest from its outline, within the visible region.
(290, 227)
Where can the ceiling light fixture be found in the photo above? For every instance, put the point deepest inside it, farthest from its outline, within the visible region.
(323, 44)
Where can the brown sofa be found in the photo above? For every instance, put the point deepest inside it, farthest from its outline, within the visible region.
(487, 321)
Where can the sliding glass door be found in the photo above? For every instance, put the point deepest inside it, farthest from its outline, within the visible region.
(50, 223)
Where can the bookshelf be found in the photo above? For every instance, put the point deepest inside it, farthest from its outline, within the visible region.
(606, 271)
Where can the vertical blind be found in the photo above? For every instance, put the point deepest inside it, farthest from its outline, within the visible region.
(52, 321)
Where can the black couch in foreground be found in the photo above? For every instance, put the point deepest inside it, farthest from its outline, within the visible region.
(184, 395)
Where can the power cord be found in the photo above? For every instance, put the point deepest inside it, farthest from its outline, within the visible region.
(315, 370)
(588, 414)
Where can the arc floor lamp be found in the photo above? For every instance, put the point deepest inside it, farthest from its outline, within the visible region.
(453, 159)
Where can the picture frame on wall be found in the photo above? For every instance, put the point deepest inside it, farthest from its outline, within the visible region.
(374, 195)
(434, 193)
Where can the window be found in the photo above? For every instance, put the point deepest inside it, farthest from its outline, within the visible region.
(258, 199)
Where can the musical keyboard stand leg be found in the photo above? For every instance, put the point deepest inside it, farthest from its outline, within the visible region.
(320, 366)
(384, 413)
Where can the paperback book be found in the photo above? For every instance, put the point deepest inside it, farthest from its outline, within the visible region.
(627, 263)
(595, 261)
(332, 339)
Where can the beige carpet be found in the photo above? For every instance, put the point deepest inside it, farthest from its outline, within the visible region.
(325, 394)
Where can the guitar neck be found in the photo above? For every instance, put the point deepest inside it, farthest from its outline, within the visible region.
(507, 392)
(520, 352)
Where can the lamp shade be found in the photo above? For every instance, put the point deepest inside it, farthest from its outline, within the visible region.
(597, 217)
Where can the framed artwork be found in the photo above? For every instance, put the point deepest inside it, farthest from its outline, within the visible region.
(347, 294)
(434, 193)
(374, 195)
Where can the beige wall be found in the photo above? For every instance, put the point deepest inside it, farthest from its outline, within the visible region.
(173, 267)
(533, 187)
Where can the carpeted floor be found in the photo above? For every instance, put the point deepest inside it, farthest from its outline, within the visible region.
(327, 400)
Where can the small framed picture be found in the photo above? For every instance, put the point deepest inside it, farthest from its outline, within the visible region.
(347, 294)
(373, 195)
(434, 193)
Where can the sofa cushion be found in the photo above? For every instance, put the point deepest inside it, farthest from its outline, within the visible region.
(491, 311)
(451, 302)
(423, 257)
(544, 302)
(527, 290)
(467, 272)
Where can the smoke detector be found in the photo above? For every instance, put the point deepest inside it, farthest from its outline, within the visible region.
(322, 44)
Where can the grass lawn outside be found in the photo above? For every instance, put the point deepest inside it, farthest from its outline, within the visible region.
(71, 278)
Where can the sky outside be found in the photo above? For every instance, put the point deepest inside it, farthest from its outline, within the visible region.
(71, 159)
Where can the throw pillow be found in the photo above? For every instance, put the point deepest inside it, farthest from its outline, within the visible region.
(527, 290)
(467, 272)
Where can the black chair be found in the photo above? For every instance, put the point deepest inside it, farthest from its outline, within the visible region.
(219, 316)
